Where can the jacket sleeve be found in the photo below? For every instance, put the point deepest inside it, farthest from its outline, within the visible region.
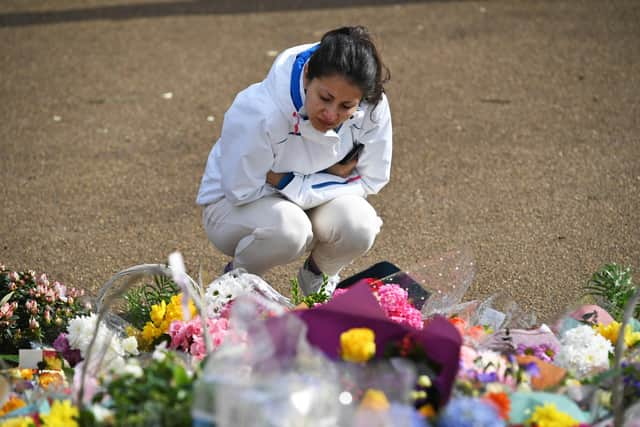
(246, 154)
(372, 172)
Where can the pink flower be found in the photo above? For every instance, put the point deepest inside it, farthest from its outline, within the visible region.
(340, 291)
(394, 301)
(7, 310)
(33, 323)
(188, 335)
(91, 384)
(42, 280)
(31, 306)
(61, 291)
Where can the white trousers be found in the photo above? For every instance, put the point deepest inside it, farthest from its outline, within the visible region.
(273, 231)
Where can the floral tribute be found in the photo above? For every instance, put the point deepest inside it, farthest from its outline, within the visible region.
(364, 356)
(34, 308)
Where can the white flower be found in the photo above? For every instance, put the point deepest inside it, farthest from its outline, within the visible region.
(100, 413)
(583, 351)
(130, 346)
(220, 292)
(108, 349)
(133, 368)
(160, 352)
(81, 331)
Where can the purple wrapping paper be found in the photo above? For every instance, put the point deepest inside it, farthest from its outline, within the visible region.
(359, 308)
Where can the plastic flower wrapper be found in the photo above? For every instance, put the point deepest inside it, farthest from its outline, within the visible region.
(375, 387)
(525, 404)
(469, 412)
(375, 410)
(433, 286)
(272, 370)
(540, 342)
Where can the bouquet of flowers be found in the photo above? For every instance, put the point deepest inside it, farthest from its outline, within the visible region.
(34, 309)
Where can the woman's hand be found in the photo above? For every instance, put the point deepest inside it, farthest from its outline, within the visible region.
(343, 170)
(274, 178)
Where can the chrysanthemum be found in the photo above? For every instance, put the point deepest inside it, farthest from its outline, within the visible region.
(583, 351)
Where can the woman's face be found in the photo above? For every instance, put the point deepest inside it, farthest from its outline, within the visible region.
(330, 100)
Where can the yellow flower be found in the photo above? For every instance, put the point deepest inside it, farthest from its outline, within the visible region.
(62, 414)
(158, 312)
(549, 416)
(358, 345)
(53, 362)
(161, 317)
(26, 374)
(11, 405)
(18, 422)
(612, 330)
(51, 380)
(374, 400)
(148, 335)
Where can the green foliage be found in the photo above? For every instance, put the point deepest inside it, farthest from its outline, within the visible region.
(310, 300)
(613, 286)
(162, 396)
(139, 300)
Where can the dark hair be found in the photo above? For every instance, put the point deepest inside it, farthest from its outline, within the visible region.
(350, 52)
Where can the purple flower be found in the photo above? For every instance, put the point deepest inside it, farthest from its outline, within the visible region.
(487, 377)
(61, 344)
(544, 352)
(532, 369)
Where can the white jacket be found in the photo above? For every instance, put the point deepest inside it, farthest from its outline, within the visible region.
(266, 129)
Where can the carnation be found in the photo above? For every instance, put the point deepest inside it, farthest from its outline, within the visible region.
(583, 351)
(394, 300)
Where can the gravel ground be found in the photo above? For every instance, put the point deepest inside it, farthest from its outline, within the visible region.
(516, 133)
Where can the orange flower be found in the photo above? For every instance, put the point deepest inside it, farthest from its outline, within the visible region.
(427, 411)
(51, 379)
(501, 402)
(459, 323)
(476, 332)
(11, 405)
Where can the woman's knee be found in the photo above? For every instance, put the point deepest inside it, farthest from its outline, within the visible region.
(291, 233)
(352, 220)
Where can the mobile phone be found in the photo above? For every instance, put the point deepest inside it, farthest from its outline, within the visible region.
(353, 154)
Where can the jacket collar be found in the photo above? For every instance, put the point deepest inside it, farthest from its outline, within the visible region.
(297, 97)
